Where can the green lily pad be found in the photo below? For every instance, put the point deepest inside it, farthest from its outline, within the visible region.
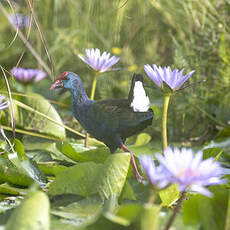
(32, 214)
(169, 195)
(10, 173)
(80, 179)
(88, 178)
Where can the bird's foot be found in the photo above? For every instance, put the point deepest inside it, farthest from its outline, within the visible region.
(140, 178)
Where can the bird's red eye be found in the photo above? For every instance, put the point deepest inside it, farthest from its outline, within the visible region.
(64, 76)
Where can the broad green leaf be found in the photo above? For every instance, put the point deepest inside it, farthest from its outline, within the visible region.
(130, 211)
(103, 223)
(76, 153)
(140, 150)
(80, 179)
(224, 132)
(222, 144)
(136, 216)
(63, 224)
(142, 139)
(10, 173)
(32, 214)
(127, 192)
(113, 175)
(82, 212)
(9, 189)
(212, 152)
(211, 213)
(51, 168)
(35, 143)
(169, 195)
(31, 120)
(29, 167)
(89, 178)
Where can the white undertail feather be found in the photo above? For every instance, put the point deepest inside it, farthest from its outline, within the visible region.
(140, 101)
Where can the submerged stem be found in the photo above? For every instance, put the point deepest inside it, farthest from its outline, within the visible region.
(164, 122)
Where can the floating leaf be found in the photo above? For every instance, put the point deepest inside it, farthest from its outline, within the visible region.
(9, 189)
(113, 175)
(80, 179)
(169, 195)
(142, 139)
(29, 167)
(127, 192)
(89, 178)
(129, 211)
(82, 212)
(51, 168)
(32, 214)
(10, 173)
(76, 153)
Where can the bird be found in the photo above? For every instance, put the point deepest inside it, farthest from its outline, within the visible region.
(110, 121)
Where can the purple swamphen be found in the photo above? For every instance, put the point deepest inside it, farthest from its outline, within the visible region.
(110, 121)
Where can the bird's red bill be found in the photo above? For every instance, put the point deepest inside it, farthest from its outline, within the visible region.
(58, 82)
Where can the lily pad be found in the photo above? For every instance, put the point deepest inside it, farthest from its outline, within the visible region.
(32, 214)
(89, 178)
(79, 180)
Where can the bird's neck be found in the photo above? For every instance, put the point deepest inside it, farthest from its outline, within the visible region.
(79, 97)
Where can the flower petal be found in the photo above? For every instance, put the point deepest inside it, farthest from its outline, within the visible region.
(173, 78)
(99, 62)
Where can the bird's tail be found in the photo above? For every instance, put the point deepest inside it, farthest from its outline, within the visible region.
(136, 77)
(138, 99)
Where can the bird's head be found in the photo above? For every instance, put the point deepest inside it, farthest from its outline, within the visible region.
(66, 80)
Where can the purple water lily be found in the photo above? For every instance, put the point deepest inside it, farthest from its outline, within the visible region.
(190, 171)
(28, 75)
(20, 20)
(99, 62)
(3, 104)
(156, 174)
(174, 79)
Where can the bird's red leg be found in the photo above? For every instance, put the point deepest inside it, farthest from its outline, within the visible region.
(132, 160)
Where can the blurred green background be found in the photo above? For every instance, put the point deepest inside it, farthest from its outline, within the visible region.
(189, 34)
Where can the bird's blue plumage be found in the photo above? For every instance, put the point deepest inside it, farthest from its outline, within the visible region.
(110, 121)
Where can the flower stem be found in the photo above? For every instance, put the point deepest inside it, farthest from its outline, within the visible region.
(164, 122)
(152, 196)
(27, 89)
(175, 211)
(93, 89)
